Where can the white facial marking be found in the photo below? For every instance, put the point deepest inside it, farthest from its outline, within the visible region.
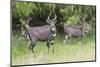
(53, 29)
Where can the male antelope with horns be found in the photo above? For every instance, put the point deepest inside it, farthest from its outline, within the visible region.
(43, 33)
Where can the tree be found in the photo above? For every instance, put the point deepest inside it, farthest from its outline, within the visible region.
(66, 14)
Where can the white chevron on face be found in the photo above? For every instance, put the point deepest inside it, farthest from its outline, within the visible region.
(53, 29)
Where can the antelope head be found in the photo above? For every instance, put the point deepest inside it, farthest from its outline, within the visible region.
(52, 22)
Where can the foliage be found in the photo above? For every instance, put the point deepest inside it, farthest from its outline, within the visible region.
(70, 52)
(23, 9)
(68, 14)
(78, 13)
(73, 20)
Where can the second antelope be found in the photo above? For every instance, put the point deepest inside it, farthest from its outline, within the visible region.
(77, 31)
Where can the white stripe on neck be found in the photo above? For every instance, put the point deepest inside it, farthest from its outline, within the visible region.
(54, 34)
(52, 41)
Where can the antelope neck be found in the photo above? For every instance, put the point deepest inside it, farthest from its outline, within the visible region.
(53, 31)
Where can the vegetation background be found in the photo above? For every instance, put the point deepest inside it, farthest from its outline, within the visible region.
(67, 14)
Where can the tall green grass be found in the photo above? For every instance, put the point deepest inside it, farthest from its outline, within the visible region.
(69, 52)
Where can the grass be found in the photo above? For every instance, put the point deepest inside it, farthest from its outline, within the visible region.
(70, 52)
